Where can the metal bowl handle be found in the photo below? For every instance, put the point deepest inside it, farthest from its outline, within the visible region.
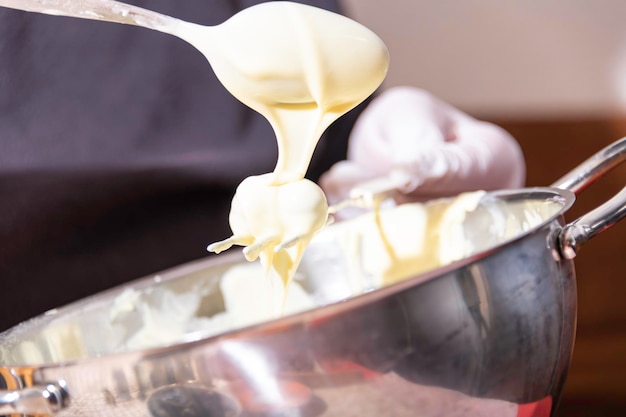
(602, 217)
(41, 400)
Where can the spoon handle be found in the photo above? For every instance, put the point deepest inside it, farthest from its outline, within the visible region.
(105, 10)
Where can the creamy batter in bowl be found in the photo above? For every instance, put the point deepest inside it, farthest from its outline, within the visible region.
(215, 296)
(474, 337)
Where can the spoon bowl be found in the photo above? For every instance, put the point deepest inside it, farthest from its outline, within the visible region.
(266, 68)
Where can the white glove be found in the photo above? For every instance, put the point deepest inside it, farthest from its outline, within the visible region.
(427, 149)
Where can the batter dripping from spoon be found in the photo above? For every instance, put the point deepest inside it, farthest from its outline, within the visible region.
(299, 66)
(328, 64)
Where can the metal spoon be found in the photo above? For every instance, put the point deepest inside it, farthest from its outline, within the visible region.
(246, 50)
(105, 10)
(246, 64)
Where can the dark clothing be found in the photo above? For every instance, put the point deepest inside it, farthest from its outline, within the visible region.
(119, 153)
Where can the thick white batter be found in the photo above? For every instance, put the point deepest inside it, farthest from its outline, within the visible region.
(324, 66)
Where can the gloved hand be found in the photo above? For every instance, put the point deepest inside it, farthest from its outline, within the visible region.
(427, 148)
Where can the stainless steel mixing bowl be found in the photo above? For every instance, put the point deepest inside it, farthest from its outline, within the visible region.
(477, 337)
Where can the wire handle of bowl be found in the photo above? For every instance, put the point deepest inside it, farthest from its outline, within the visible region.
(39, 400)
(576, 233)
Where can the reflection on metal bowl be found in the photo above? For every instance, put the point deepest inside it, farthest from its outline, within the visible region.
(479, 337)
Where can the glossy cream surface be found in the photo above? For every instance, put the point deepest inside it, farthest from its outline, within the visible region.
(301, 67)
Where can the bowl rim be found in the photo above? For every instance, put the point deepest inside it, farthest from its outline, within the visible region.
(564, 198)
